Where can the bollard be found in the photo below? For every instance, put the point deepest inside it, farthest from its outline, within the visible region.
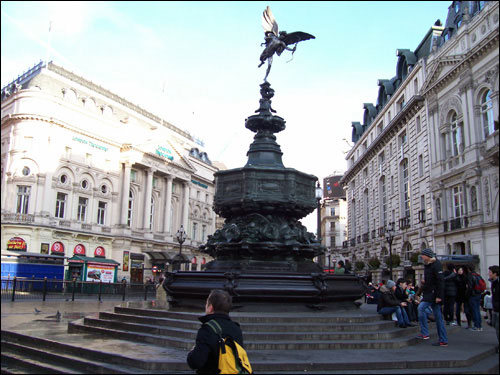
(14, 289)
(74, 287)
(100, 289)
(44, 288)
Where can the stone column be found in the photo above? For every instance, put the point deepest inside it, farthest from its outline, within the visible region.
(168, 204)
(185, 206)
(125, 193)
(147, 199)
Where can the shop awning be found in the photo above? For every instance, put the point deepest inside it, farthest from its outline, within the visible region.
(84, 259)
(158, 255)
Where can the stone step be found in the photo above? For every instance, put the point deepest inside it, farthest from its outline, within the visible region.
(47, 361)
(267, 342)
(290, 335)
(376, 325)
(242, 318)
(13, 363)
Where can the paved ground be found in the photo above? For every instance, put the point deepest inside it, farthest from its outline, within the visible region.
(21, 317)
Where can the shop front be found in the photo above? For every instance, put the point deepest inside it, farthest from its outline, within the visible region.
(136, 268)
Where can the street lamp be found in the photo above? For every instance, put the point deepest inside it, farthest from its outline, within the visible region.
(319, 195)
(181, 237)
(389, 236)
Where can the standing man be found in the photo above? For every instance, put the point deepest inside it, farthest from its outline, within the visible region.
(204, 357)
(493, 278)
(433, 296)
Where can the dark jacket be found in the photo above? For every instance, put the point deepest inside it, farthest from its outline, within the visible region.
(400, 294)
(494, 294)
(461, 283)
(450, 285)
(433, 286)
(204, 357)
(387, 298)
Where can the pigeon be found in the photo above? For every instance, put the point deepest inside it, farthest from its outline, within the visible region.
(37, 311)
(57, 316)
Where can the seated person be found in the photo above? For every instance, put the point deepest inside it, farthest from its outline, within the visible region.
(389, 304)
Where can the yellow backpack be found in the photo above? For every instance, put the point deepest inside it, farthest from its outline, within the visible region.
(233, 358)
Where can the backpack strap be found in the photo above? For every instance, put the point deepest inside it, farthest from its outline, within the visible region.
(215, 326)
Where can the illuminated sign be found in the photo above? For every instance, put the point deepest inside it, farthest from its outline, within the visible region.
(57, 247)
(99, 252)
(79, 249)
(17, 243)
(126, 258)
(164, 153)
(97, 272)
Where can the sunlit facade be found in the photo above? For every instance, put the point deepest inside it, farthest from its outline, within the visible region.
(84, 171)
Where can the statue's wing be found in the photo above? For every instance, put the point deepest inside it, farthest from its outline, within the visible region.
(268, 22)
(296, 37)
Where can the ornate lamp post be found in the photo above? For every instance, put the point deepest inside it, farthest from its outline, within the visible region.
(181, 237)
(319, 195)
(389, 236)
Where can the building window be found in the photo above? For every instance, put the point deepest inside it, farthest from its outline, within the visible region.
(26, 171)
(82, 209)
(418, 125)
(63, 179)
(487, 114)
(420, 165)
(473, 198)
(101, 213)
(383, 200)
(456, 136)
(458, 201)
(405, 189)
(438, 209)
(367, 211)
(60, 205)
(195, 227)
(402, 138)
(23, 199)
(104, 189)
(130, 208)
(203, 233)
(85, 184)
(133, 175)
(152, 213)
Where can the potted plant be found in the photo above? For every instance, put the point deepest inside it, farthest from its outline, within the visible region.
(359, 265)
(374, 263)
(414, 258)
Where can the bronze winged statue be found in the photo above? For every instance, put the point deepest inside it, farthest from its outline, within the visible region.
(277, 42)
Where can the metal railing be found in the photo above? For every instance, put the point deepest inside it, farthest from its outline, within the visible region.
(22, 288)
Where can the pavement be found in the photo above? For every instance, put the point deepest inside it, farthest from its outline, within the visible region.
(21, 317)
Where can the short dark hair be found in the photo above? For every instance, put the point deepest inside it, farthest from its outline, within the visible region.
(400, 281)
(494, 269)
(341, 263)
(220, 300)
(450, 266)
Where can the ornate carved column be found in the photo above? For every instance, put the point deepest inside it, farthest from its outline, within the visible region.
(168, 204)
(148, 189)
(125, 193)
(185, 206)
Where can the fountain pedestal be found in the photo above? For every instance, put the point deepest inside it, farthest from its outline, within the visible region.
(263, 253)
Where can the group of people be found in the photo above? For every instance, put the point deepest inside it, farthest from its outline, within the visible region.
(439, 297)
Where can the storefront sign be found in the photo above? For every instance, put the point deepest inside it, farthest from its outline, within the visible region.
(199, 184)
(90, 143)
(164, 152)
(79, 249)
(126, 258)
(99, 252)
(44, 248)
(57, 247)
(17, 243)
(98, 272)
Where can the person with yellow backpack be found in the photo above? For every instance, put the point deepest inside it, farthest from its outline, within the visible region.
(219, 345)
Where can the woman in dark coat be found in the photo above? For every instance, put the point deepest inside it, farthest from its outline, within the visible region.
(462, 296)
(450, 293)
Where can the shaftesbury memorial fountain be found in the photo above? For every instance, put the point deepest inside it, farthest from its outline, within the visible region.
(263, 255)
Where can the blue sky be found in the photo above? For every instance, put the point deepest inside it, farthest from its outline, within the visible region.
(195, 63)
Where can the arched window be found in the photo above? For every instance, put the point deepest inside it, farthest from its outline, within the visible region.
(367, 210)
(405, 188)
(130, 208)
(487, 114)
(457, 142)
(407, 250)
(438, 209)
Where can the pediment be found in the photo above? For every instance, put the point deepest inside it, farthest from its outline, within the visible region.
(440, 69)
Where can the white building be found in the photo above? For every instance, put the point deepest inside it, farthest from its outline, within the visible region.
(84, 171)
(425, 159)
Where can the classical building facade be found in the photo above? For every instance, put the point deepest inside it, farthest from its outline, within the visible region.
(425, 159)
(86, 172)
